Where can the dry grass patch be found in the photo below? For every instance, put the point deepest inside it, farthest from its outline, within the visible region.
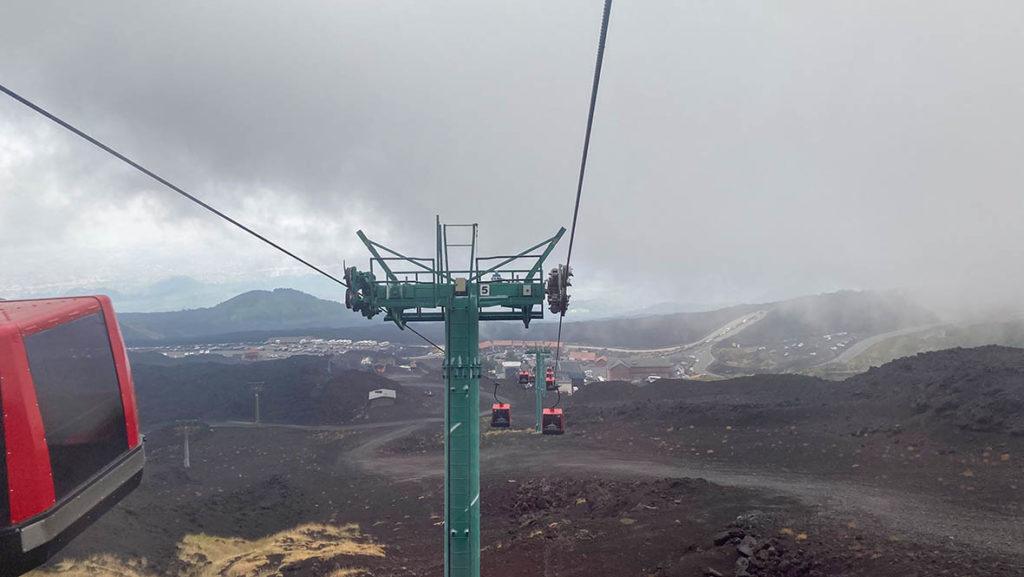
(96, 566)
(494, 432)
(211, 556)
(205, 555)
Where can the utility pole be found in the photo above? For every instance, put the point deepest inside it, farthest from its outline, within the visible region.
(185, 428)
(460, 298)
(540, 354)
(256, 389)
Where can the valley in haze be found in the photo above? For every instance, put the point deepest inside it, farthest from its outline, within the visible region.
(899, 467)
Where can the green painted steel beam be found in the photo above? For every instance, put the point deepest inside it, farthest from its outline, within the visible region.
(371, 246)
(462, 446)
(539, 267)
(402, 302)
(540, 388)
(436, 316)
(540, 258)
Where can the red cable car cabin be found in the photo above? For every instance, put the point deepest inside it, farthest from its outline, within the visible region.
(550, 383)
(69, 429)
(501, 415)
(552, 422)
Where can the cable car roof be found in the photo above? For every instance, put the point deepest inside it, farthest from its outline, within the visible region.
(33, 316)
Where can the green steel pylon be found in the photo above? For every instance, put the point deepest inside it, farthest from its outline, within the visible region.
(539, 386)
(433, 290)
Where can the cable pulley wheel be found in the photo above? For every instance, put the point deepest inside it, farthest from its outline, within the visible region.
(557, 293)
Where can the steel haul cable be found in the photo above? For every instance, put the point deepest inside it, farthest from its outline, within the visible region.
(160, 179)
(575, 215)
(583, 165)
(438, 347)
(422, 336)
(82, 134)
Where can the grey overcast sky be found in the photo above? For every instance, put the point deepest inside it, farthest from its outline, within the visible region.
(742, 150)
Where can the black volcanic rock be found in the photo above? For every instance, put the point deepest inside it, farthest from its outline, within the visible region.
(979, 389)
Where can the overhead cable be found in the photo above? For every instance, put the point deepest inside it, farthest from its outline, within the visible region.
(161, 180)
(583, 161)
(78, 132)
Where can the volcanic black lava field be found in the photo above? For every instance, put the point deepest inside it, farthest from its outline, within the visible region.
(913, 468)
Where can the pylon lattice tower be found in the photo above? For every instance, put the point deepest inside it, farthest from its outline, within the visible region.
(431, 289)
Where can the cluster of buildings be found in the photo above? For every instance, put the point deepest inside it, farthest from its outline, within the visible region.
(313, 346)
(578, 367)
(506, 359)
(273, 348)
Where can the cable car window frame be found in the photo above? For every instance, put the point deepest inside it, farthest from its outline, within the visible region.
(5, 496)
(93, 364)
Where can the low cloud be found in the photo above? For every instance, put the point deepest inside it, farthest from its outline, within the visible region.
(740, 153)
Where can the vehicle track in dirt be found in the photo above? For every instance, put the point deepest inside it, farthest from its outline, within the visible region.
(897, 512)
(861, 347)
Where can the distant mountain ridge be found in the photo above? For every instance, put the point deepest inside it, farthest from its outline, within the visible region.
(278, 310)
(177, 293)
(257, 315)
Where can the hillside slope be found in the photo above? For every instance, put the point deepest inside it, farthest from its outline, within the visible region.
(297, 390)
(858, 312)
(277, 310)
(1009, 333)
(807, 332)
(980, 389)
(640, 333)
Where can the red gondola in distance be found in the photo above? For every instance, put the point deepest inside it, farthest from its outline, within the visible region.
(69, 426)
(549, 380)
(552, 422)
(501, 415)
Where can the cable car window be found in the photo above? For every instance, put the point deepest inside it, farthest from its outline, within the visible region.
(76, 384)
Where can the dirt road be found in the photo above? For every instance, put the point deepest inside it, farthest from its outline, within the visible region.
(898, 512)
(861, 347)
